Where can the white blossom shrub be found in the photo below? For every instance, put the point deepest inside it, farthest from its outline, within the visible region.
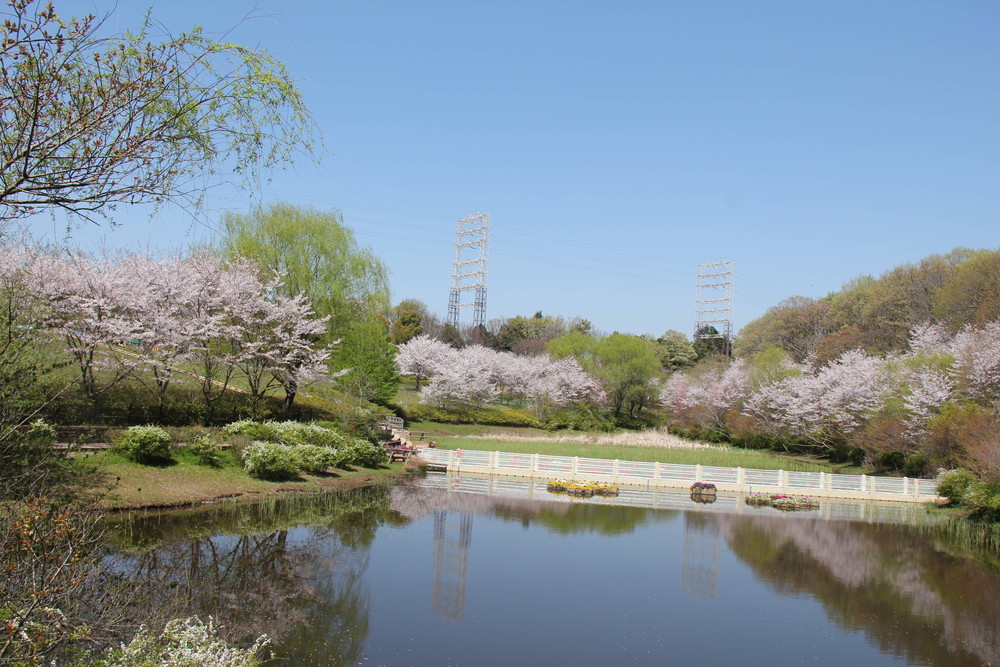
(41, 433)
(185, 642)
(145, 444)
(315, 458)
(271, 460)
(286, 433)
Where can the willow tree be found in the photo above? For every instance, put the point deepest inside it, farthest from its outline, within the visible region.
(315, 255)
(90, 120)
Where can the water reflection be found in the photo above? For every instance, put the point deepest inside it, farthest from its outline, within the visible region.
(908, 597)
(389, 576)
(700, 566)
(451, 564)
(293, 569)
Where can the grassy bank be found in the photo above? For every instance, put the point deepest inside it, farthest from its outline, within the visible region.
(661, 448)
(119, 483)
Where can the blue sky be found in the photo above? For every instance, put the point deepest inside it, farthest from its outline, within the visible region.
(618, 145)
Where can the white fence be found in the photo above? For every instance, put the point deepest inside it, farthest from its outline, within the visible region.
(672, 475)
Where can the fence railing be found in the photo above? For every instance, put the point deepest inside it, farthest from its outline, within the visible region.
(673, 475)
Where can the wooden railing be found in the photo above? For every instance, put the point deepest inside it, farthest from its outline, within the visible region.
(672, 475)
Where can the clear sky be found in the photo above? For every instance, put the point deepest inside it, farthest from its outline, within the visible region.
(618, 145)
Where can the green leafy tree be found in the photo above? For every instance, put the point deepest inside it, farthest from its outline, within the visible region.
(971, 293)
(90, 120)
(316, 255)
(796, 325)
(528, 334)
(407, 326)
(675, 351)
(626, 367)
(451, 335)
(370, 361)
(709, 343)
(576, 344)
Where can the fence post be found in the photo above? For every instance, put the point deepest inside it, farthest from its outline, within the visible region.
(576, 465)
(656, 470)
(494, 461)
(741, 479)
(534, 463)
(614, 470)
(864, 483)
(906, 485)
(783, 479)
(916, 488)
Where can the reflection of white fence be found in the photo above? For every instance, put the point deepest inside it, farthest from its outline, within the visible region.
(672, 475)
(672, 499)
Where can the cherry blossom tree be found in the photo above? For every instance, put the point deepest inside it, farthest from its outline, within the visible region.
(476, 374)
(424, 357)
(825, 406)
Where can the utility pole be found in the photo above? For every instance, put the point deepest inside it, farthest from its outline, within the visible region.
(468, 271)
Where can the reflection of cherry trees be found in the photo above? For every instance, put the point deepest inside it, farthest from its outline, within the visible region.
(908, 596)
(294, 570)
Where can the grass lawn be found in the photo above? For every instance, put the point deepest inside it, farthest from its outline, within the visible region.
(458, 436)
(120, 483)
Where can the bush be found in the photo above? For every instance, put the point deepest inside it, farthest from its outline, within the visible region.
(205, 450)
(984, 500)
(366, 454)
(579, 419)
(314, 458)
(145, 444)
(486, 417)
(286, 433)
(916, 465)
(270, 460)
(185, 643)
(262, 431)
(955, 484)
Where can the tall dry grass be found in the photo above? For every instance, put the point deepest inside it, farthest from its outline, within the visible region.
(649, 438)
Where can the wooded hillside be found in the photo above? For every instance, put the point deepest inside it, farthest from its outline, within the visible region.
(877, 314)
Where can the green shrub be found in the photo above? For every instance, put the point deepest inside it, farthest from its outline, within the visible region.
(205, 450)
(487, 417)
(316, 458)
(984, 500)
(366, 454)
(955, 484)
(580, 419)
(270, 460)
(916, 465)
(145, 444)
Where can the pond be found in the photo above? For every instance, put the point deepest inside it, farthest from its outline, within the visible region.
(458, 571)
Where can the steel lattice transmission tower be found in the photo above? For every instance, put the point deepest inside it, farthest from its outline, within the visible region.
(468, 273)
(714, 306)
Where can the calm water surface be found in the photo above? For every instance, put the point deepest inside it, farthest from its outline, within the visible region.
(430, 574)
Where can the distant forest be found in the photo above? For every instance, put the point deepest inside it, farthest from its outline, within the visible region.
(877, 315)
